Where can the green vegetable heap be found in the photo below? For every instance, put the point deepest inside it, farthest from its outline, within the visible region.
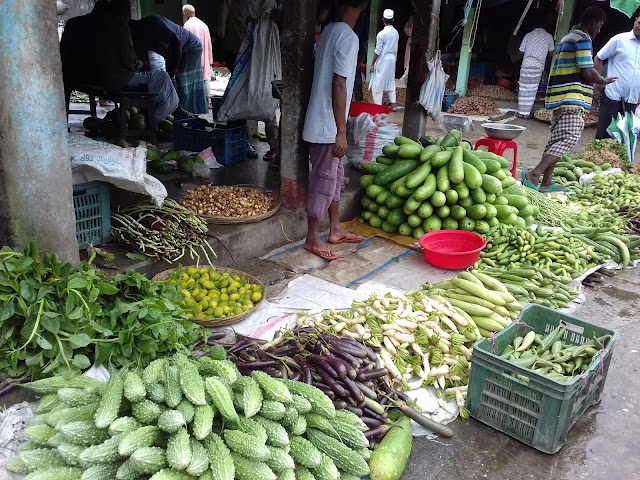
(189, 419)
(54, 317)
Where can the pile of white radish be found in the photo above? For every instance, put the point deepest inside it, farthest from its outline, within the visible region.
(420, 341)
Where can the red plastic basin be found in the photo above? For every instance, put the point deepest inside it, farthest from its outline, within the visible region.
(365, 107)
(452, 249)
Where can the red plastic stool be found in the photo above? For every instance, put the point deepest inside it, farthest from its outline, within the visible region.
(498, 146)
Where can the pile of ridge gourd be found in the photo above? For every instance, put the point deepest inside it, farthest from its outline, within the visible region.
(183, 418)
(441, 184)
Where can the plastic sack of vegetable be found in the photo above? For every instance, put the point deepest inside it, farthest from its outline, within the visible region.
(625, 130)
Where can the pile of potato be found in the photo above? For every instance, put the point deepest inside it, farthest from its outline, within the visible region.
(494, 91)
(215, 201)
(474, 106)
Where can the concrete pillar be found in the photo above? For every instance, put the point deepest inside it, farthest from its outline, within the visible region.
(465, 55)
(375, 14)
(297, 41)
(35, 174)
(415, 116)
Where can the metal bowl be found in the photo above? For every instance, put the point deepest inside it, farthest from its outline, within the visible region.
(503, 131)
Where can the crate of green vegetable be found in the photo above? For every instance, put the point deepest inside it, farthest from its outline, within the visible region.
(515, 397)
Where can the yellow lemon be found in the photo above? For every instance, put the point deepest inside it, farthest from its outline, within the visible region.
(256, 297)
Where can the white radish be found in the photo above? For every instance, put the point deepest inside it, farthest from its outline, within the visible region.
(389, 345)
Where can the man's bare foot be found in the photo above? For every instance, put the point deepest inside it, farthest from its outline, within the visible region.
(340, 235)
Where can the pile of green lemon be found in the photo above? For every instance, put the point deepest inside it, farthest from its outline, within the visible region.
(212, 294)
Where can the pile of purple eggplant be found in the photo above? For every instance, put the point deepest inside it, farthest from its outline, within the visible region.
(345, 370)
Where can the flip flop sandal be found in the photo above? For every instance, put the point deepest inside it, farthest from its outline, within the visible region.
(327, 254)
(354, 239)
(554, 188)
(526, 182)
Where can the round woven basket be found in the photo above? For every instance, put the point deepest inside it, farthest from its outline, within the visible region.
(275, 206)
(220, 322)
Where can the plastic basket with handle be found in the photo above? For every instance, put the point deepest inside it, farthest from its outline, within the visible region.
(539, 412)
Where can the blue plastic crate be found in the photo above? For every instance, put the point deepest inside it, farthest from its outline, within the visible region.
(477, 71)
(228, 143)
(93, 213)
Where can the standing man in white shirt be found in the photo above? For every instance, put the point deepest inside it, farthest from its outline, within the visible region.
(325, 125)
(623, 55)
(536, 46)
(384, 61)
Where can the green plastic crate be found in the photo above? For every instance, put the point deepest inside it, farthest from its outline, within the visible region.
(539, 413)
(93, 213)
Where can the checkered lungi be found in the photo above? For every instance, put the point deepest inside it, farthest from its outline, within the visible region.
(566, 127)
(190, 82)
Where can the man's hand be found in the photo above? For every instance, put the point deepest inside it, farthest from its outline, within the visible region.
(340, 149)
(609, 80)
(373, 67)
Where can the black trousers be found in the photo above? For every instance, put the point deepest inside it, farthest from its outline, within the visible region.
(610, 109)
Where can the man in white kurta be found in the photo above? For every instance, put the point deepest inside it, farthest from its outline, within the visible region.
(384, 61)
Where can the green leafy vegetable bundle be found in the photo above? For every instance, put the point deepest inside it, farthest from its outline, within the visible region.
(54, 317)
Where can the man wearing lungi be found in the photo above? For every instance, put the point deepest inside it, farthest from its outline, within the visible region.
(536, 46)
(182, 52)
(325, 126)
(569, 96)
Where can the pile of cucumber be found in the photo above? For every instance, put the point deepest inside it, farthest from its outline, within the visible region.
(568, 171)
(442, 184)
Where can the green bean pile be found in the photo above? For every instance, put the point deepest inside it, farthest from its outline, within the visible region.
(164, 233)
(564, 255)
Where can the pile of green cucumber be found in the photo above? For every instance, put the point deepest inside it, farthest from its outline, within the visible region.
(608, 242)
(416, 188)
(564, 255)
(550, 356)
(568, 171)
(613, 192)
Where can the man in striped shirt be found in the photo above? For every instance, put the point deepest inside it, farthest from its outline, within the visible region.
(569, 95)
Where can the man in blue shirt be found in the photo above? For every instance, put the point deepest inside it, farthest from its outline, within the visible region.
(182, 52)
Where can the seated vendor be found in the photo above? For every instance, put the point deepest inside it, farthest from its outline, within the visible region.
(181, 50)
(116, 65)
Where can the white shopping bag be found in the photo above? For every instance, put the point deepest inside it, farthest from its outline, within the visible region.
(432, 91)
(248, 95)
(625, 130)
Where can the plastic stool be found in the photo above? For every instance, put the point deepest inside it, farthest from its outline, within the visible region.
(498, 146)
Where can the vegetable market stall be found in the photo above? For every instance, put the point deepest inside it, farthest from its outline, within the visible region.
(312, 401)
